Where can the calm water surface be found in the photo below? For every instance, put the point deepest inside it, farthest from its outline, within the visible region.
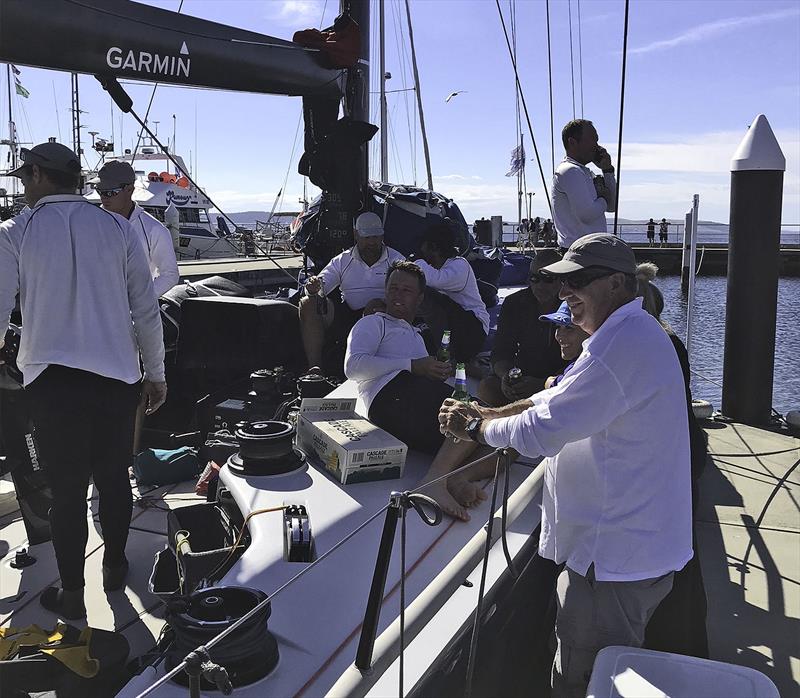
(708, 336)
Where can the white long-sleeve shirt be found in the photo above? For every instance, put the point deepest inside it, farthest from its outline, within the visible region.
(577, 210)
(457, 281)
(157, 242)
(85, 289)
(359, 282)
(617, 489)
(378, 348)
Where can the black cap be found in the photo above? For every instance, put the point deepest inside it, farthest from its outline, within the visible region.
(53, 156)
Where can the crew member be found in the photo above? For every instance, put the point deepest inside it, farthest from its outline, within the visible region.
(579, 199)
(402, 387)
(115, 184)
(360, 274)
(452, 294)
(523, 343)
(616, 507)
(88, 311)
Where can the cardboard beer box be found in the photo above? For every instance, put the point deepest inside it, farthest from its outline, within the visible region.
(350, 447)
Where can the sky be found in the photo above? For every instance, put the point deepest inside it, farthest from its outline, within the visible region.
(698, 73)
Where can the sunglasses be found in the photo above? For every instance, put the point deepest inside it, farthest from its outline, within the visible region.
(581, 279)
(541, 279)
(109, 193)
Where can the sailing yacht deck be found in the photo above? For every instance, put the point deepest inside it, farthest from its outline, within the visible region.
(748, 534)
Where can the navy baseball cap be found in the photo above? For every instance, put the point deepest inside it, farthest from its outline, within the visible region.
(562, 316)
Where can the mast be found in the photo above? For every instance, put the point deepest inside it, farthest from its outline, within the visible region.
(12, 140)
(419, 99)
(384, 118)
(76, 117)
(358, 80)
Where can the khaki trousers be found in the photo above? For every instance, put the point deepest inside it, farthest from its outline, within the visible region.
(592, 615)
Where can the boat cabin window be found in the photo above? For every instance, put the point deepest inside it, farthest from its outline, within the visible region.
(190, 215)
(157, 213)
(203, 215)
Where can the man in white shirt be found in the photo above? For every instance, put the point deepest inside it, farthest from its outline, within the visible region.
(115, 184)
(452, 301)
(360, 275)
(616, 505)
(579, 200)
(403, 387)
(88, 311)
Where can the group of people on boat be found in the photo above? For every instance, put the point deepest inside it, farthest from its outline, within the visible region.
(581, 374)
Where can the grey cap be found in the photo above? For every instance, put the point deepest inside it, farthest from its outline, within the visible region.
(595, 250)
(51, 155)
(369, 224)
(113, 174)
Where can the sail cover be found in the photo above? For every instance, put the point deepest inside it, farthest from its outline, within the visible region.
(134, 41)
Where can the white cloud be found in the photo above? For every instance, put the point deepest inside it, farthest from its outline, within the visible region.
(456, 177)
(704, 32)
(298, 12)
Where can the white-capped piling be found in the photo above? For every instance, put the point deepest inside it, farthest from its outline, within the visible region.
(753, 263)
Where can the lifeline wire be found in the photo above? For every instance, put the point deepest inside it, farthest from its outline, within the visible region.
(525, 107)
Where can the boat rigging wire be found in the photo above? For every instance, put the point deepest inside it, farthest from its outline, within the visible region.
(621, 113)
(524, 106)
(256, 609)
(571, 59)
(580, 54)
(550, 82)
(419, 98)
(476, 623)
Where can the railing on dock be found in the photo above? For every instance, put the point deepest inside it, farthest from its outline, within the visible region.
(636, 234)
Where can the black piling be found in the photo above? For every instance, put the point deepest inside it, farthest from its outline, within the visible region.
(753, 261)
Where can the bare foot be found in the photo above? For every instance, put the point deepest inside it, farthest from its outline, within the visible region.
(446, 501)
(466, 493)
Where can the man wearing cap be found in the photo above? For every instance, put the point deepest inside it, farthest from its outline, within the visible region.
(88, 311)
(360, 275)
(579, 199)
(522, 343)
(115, 184)
(616, 508)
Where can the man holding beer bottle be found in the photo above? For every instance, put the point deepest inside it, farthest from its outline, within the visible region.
(402, 387)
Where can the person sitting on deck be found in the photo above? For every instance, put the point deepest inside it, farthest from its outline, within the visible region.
(521, 342)
(402, 387)
(360, 274)
(570, 339)
(452, 301)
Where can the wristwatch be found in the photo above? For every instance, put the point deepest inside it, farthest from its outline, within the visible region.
(473, 429)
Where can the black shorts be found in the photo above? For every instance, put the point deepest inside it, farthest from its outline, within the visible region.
(408, 408)
(441, 312)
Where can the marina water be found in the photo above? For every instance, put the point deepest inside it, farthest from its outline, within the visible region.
(708, 336)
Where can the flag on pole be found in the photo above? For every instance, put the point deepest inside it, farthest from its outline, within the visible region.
(21, 91)
(14, 68)
(517, 161)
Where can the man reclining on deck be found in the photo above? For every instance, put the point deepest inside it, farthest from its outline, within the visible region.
(403, 387)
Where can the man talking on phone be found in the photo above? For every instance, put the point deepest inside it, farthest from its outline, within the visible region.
(580, 199)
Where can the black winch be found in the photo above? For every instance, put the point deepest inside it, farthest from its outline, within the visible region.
(248, 654)
(265, 448)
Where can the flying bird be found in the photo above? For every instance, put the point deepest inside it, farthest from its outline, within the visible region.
(453, 94)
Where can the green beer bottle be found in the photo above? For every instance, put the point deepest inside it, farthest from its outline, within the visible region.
(461, 393)
(444, 348)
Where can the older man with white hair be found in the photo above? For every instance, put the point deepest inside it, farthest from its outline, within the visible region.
(617, 494)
